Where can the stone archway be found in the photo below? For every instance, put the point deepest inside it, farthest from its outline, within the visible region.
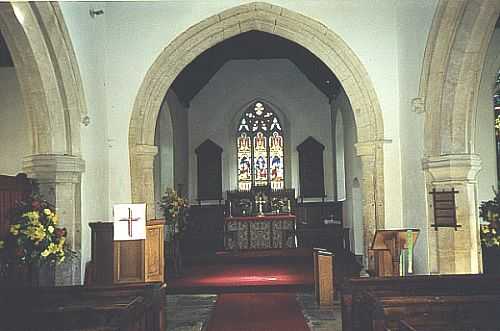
(53, 98)
(454, 57)
(314, 36)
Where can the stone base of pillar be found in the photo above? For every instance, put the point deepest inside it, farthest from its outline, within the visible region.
(59, 179)
(453, 251)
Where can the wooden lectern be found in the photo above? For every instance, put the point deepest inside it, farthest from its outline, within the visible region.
(323, 276)
(127, 261)
(384, 257)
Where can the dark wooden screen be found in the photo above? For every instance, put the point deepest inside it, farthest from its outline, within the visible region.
(204, 233)
(311, 173)
(209, 156)
(12, 189)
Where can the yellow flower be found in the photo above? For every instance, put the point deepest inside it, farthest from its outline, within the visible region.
(50, 228)
(55, 219)
(47, 211)
(14, 229)
(45, 253)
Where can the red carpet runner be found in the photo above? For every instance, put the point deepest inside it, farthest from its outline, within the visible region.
(257, 312)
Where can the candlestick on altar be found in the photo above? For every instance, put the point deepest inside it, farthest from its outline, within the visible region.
(260, 202)
(230, 209)
(289, 206)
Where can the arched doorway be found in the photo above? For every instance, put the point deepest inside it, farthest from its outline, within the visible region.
(53, 99)
(310, 34)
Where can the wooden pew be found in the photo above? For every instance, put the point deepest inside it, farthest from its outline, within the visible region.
(352, 290)
(130, 307)
(450, 312)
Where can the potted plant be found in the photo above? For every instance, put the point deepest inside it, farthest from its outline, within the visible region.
(174, 209)
(34, 239)
(489, 211)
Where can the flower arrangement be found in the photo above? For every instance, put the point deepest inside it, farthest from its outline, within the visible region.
(174, 209)
(277, 204)
(490, 227)
(34, 236)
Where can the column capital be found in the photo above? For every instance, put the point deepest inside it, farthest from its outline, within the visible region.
(54, 167)
(145, 150)
(453, 167)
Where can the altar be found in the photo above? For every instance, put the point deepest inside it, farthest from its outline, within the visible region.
(260, 232)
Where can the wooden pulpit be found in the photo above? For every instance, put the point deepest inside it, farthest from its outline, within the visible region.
(384, 256)
(127, 261)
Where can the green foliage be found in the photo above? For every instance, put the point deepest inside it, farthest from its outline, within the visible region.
(174, 210)
(490, 213)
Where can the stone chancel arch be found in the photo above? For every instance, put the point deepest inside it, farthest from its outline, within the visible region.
(310, 34)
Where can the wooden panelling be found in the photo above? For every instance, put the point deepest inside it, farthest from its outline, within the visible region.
(155, 258)
(129, 261)
(12, 189)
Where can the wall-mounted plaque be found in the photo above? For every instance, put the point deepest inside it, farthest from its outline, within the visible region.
(209, 171)
(444, 209)
(311, 172)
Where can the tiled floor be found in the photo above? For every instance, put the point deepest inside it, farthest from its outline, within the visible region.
(191, 312)
(320, 318)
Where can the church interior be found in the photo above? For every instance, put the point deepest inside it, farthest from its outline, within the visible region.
(237, 165)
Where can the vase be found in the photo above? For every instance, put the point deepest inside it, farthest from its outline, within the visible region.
(491, 260)
(31, 275)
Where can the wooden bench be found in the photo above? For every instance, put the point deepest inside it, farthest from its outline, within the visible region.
(474, 312)
(352, 291)
(129, 307)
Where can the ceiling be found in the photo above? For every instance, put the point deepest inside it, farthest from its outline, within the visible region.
(5, 59)
(253, 45)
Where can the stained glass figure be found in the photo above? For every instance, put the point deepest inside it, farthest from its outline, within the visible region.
(276, 160)
(244, 162)
(260, 160)
(260, 149)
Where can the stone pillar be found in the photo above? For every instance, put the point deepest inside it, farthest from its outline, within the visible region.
(372, 189)
(142, 171)
(454, 251)
(59, 179)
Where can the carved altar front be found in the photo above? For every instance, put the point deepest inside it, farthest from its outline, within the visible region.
(260, 232)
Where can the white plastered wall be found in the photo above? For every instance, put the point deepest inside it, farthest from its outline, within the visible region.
(352, 206)
(485, 131)
(302, 108)
(413, 19)
(89, 41)
(15, 130)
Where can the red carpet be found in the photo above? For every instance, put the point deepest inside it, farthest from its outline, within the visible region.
(218, 278)
(242, 274)
(257, 312)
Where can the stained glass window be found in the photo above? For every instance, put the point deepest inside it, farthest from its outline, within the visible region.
(496, 107)
(260, 149)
